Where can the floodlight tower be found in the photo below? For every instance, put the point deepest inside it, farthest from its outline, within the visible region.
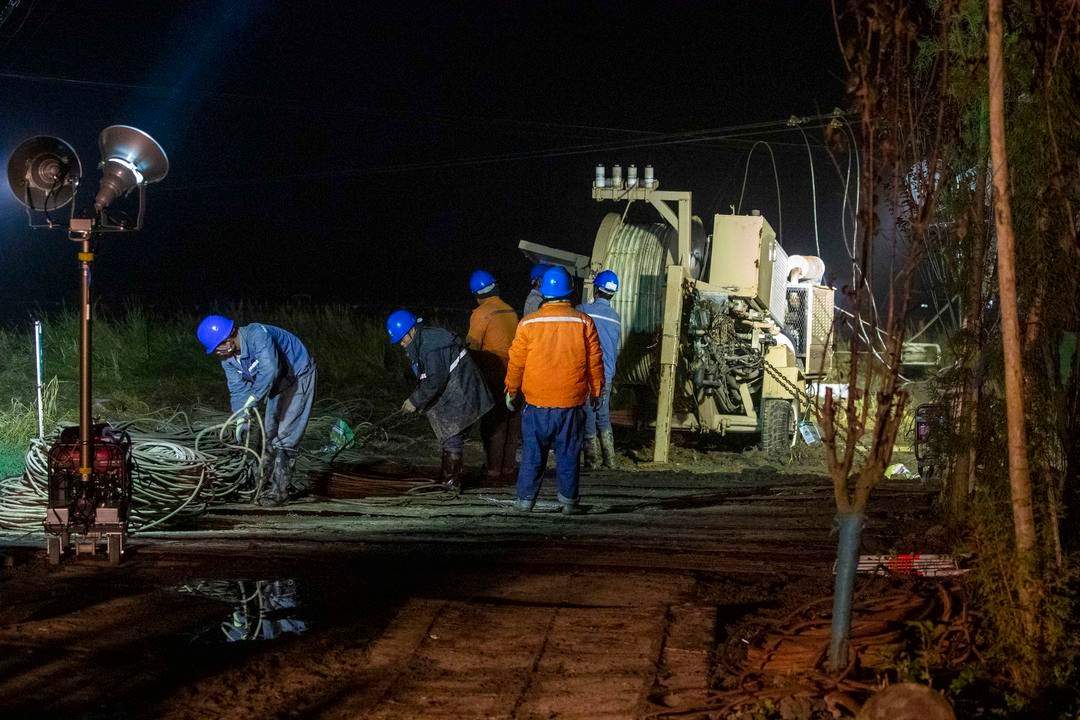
(89, 477)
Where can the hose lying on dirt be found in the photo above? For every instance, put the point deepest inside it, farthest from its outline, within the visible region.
(766, 661)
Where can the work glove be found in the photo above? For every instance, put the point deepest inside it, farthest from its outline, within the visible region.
(241, 429)
(407, 406)
(595, 403)
(510, 402)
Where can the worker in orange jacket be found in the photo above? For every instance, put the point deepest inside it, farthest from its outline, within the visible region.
(557, 363)
(491, 330)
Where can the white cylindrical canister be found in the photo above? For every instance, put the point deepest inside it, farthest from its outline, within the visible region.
(631, 176)
(599, 176)
(649, 179)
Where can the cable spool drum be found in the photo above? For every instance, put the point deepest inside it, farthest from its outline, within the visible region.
(640, 255)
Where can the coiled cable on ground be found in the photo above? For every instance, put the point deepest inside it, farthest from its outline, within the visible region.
(181, 465)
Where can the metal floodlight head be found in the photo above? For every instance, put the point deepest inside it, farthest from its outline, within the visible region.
(43, 173)
(129, 158)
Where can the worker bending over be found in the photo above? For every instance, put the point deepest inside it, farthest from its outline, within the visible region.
(491, 330)
(263, 362)
(449, 389)
(556, 362)
(609, 329)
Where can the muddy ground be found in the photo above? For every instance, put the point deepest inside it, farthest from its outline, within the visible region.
(433, 605)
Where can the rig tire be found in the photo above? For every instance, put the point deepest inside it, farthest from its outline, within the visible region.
(53, 548)
(115, 543)
(777, 428)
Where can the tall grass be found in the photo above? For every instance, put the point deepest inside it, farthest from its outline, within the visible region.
(144, 362)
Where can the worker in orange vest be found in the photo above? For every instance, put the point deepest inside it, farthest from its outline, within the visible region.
(557, 363)
(491, 330)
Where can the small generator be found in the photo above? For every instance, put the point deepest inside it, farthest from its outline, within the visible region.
(94, 506)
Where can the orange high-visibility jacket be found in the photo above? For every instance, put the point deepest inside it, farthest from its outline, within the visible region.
(491, 330)
(555, 359)
(491, 327)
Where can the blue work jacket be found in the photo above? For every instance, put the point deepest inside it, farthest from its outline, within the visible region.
(533, 301)
(609, 328)
(269, 362)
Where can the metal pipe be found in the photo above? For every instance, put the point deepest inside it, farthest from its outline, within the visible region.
(847, 560)
(86, 256)
(39, 367)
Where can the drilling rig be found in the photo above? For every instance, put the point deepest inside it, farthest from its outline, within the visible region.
(722, 331)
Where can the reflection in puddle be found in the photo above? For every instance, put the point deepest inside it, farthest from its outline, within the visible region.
(262, 609)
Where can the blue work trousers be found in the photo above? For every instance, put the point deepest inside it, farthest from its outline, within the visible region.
(287, 415)
(598, 420)
(541, 429)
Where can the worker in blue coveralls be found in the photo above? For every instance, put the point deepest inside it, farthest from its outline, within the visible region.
(534, 299)
(450, 391)
(263, 362)
(609, 328)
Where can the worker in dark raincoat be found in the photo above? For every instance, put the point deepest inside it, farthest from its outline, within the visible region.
(450, 391)
(264, 362)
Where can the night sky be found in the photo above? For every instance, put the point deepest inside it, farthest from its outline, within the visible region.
(376, 153)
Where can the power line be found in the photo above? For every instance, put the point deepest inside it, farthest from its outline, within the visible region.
(6, 13)
(353, 109)
(735, 133)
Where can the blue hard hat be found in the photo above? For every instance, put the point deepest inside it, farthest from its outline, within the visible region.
(481, 282)
(538, 271)
(399, 323)
(556, 283)
(213, 330)
(607, 281)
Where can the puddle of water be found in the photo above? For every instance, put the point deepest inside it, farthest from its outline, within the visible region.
(261, 609)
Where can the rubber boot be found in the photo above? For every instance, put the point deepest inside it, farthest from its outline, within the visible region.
(278, 492)
(592, 453)
(607, 445)
(511, 449)
(451, 469)
(265, 478)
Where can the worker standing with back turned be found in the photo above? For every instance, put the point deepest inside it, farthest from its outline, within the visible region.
(491, 330)
(609, 329)
(264, 362)
(557, 363)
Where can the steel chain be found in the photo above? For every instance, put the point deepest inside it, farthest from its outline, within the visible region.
(775, 373)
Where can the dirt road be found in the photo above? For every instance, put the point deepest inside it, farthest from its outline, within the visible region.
(427, 606)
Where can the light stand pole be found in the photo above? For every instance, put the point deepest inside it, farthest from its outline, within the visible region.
(89, 472)
(81, 230)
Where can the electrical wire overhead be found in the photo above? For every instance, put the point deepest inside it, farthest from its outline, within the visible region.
(736, 133)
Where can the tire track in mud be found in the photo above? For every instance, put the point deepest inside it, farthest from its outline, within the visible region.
(574, 646)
